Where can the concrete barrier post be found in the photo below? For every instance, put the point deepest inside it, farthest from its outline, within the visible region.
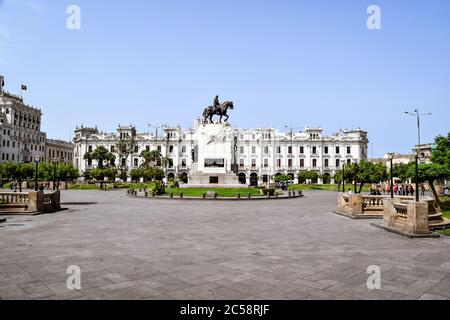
(56, 203)
(418, 217)
(356, 203)
(388, 212)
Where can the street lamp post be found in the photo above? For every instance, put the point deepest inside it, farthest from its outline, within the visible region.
(36, 160)
(417, 177)
(417, 114)
(355, 172)
(343, 176)
(391, 159)
(54, 174)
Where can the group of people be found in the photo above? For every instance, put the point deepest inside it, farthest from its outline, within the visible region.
(403, 190)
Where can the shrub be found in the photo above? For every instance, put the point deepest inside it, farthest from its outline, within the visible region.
(270, 191)
(157, 187)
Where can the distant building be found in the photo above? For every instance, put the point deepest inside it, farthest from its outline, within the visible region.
(21, 138)
(424, 151)
(255, 155)
(20, 131)
(59, 151)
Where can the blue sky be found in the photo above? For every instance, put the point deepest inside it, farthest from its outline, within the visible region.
(305, 63)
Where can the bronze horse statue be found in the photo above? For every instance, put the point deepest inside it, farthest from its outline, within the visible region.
(219, 110)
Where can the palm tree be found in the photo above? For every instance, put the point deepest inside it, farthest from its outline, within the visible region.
(100, 154)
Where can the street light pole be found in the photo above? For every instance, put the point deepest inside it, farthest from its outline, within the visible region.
(36, 160)
(343, 176)
(354, 175)
(417, 114)
(391, 158)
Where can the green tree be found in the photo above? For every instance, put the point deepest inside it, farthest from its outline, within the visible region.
(441, 150)
(136, 174)
(282, 177)
(400, 170)
(151, 157)
(307, 175)
(101, 154)
(430, 173)
(65, 172)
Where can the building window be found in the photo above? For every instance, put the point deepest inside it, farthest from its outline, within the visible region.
(124, 163)
(266, 163)
(89, 149)
(338, 163)
(302, 149)
(12, 157)
(170, 163)
(314, 163)
(136, 162)
(89, 162)
(326, 150)
(279, 163)
(349, 161)
(338, 150)
(253, 163)
(241, 163)
(214, 180)
(327, 162)
(302, 163)
(241, 149)
(349, 150)
(290, 163)
(112, 149)
(159, 148)
(136, 149)
(183, 163)
(253, 150)
(278, 149)
(147, 148)
(183, 149)
(170, 149)
(290, 150)
(266, 150)
(314, 150)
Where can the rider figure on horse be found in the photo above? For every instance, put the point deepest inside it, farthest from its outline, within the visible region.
(216, 103)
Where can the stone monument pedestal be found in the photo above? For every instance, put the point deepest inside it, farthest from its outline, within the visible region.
(214, 158)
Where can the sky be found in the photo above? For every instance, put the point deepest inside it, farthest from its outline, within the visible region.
(299, 63)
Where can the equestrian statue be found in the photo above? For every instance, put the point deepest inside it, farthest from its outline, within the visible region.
(217, 108)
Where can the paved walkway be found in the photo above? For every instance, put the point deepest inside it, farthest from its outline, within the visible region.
(143, 249)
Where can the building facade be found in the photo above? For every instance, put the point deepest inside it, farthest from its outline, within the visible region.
(257, 155)
(20, 131)
(59, 151)
(21, 138)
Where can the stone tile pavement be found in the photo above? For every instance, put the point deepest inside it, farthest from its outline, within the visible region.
(152, 249)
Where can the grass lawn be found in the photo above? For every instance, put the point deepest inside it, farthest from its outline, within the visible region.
(222, 192)
(326, 187)
(83, 187)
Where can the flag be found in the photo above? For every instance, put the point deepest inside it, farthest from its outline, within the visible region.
(2, 81)
(24, 88)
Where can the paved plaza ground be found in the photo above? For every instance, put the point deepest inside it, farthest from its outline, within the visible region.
(162, 249)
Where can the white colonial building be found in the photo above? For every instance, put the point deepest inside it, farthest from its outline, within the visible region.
(255, 156)
(21, 138)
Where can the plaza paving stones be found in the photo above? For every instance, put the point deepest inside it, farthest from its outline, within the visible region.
(142, 249)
